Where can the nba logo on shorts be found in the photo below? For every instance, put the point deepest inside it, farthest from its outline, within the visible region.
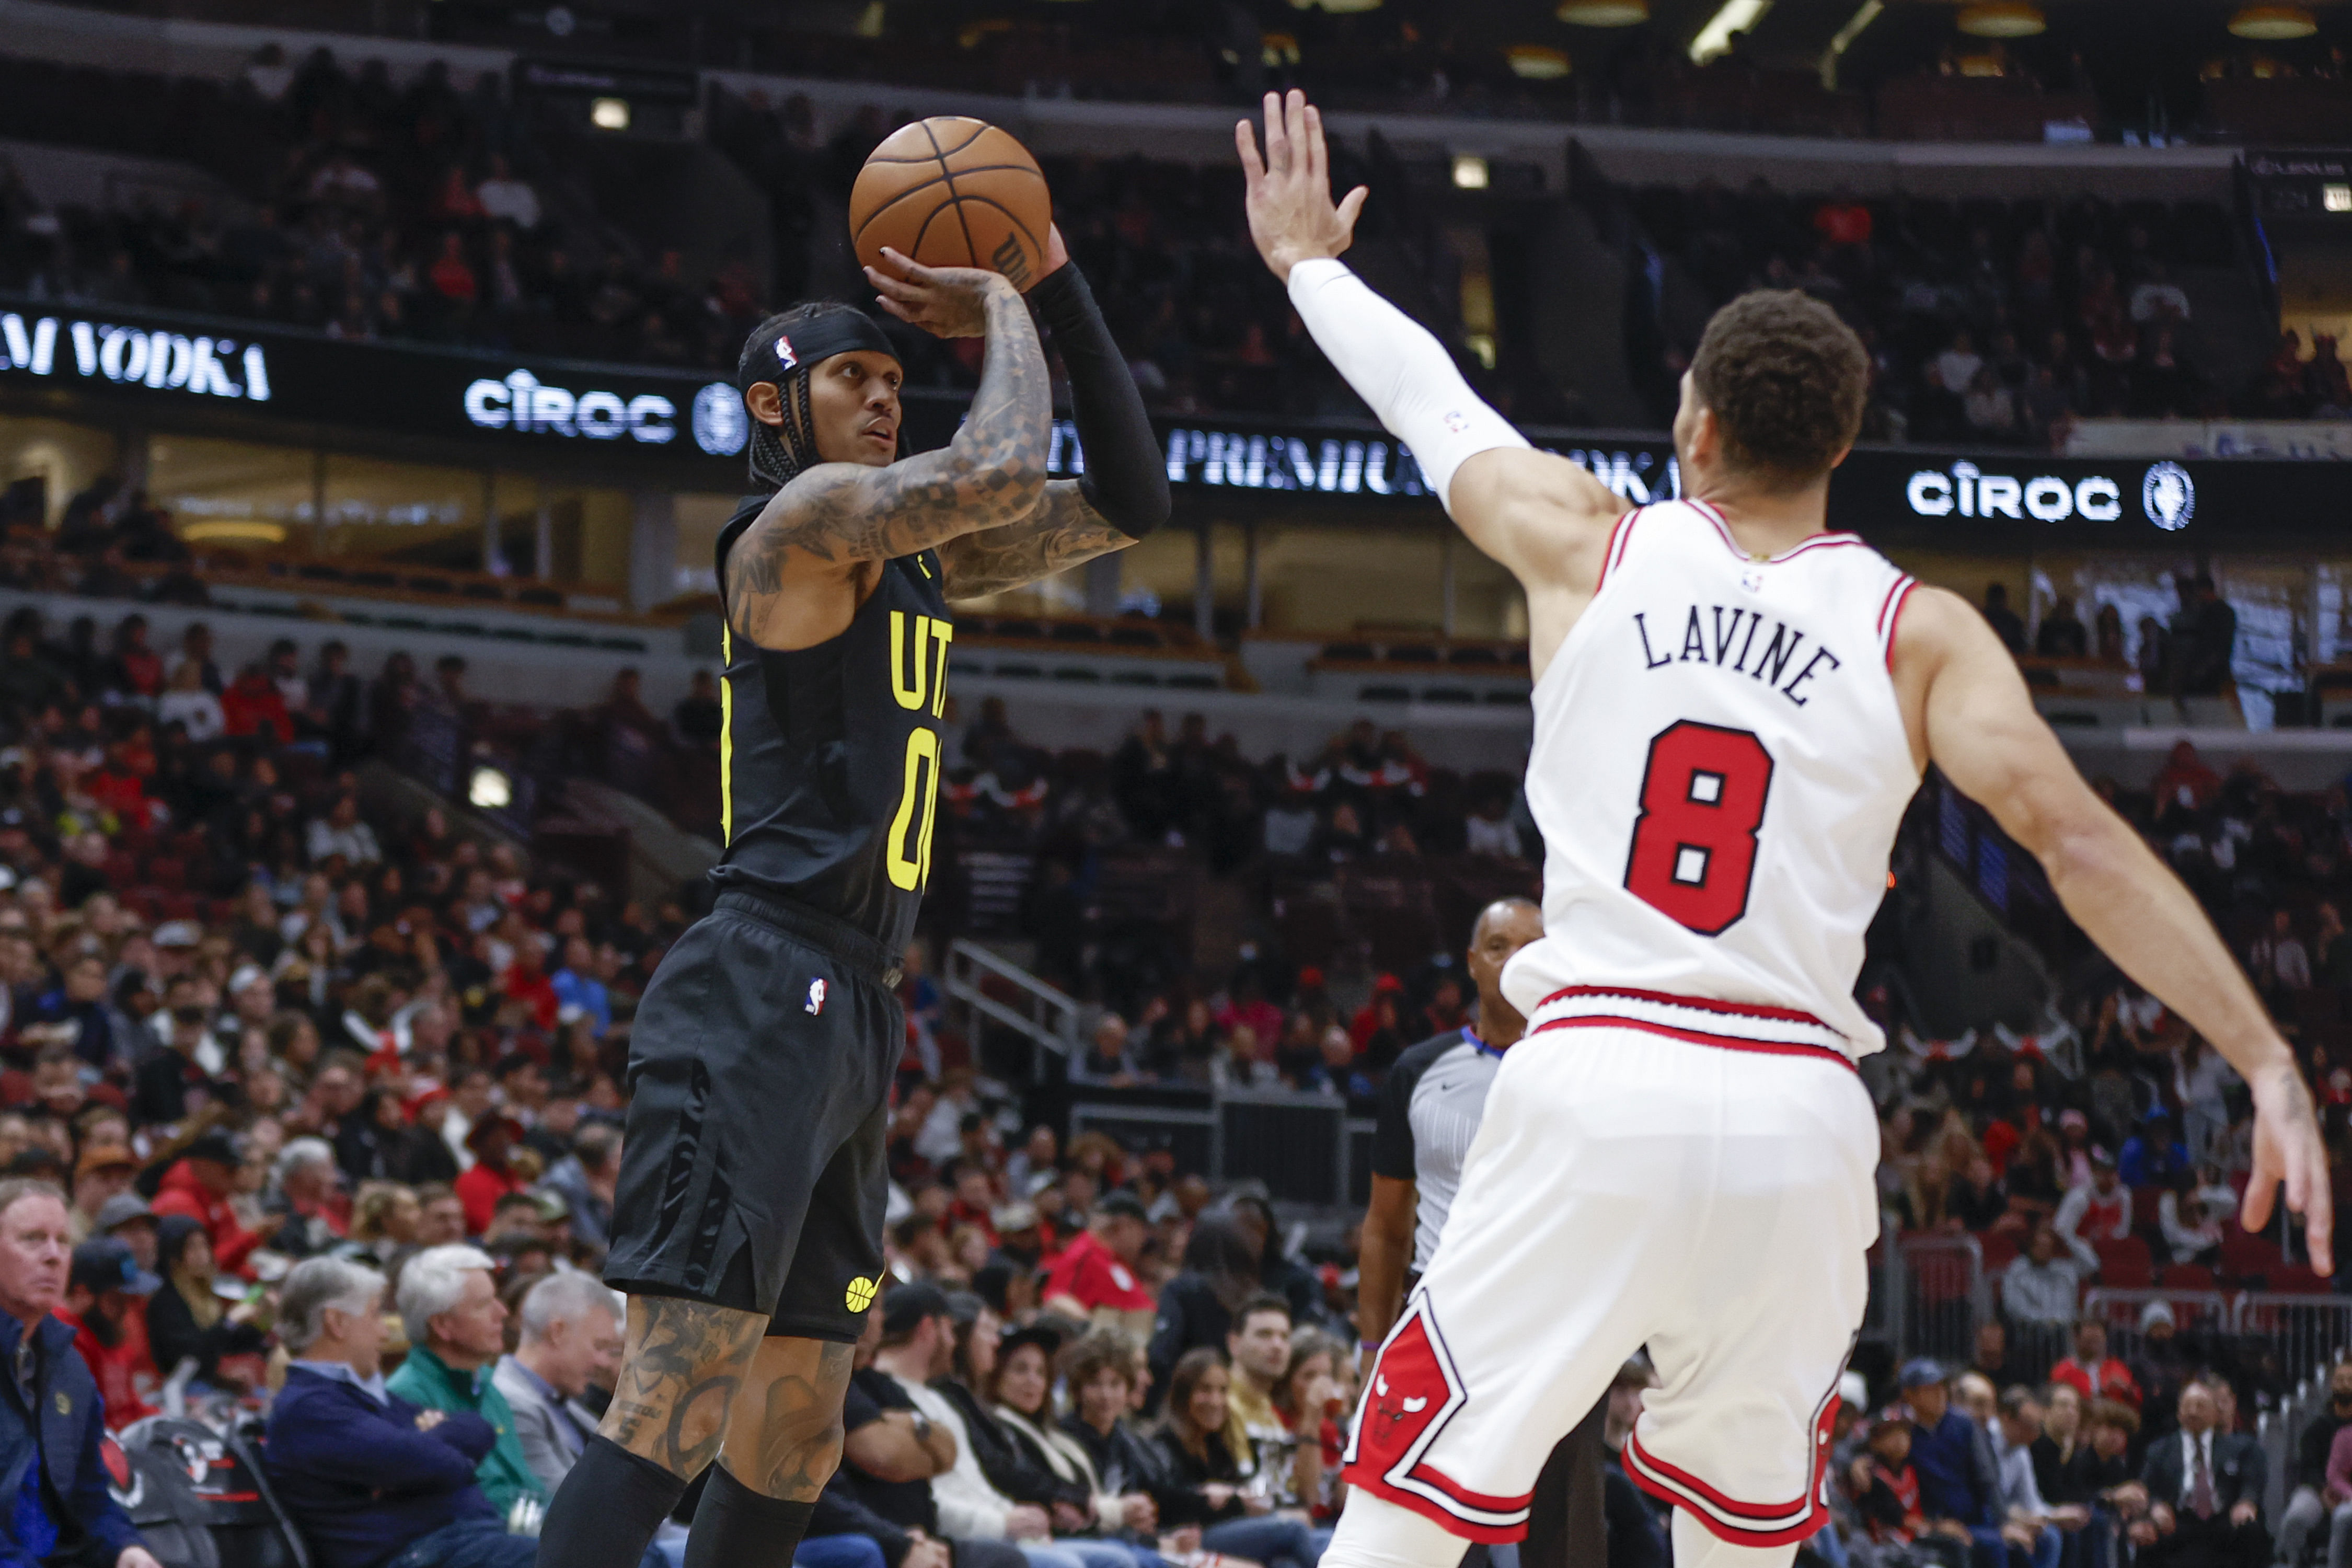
(816, 996)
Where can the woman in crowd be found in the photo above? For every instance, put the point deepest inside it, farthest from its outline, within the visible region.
(385, 1217)
(1275, 1272)
(186, 1318)
(1309, 1403)
(1021, 1394)
(1197, 1307)
(1104, 1378)
(1207, 1457)
(1002, 1459)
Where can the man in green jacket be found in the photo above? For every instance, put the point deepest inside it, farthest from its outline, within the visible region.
(456, 1332)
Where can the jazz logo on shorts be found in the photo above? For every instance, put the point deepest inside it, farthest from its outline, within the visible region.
(860, 1294)
(816, 1003)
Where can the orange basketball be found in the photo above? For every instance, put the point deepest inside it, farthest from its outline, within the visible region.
(954, 192)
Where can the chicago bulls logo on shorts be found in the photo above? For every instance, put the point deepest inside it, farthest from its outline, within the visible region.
(1414, 1391)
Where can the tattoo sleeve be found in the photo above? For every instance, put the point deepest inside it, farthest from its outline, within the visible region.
(1063, 532)
(991, 474)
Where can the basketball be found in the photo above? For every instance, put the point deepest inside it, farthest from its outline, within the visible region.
(954, 192)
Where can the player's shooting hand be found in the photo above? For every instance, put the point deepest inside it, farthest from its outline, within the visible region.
(1288, 192)
(945, 301)
(2287, 1148)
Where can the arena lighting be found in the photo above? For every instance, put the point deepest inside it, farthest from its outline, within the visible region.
(1535, 62)
(2002, 20)
(489, 790)
(1603, 12)
(1862, 18)
(1469, 172)
(609, 114)
(1715, 38)
(232, 530)
(2272, 23)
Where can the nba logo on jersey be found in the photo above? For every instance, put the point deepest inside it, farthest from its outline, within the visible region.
(816, 996)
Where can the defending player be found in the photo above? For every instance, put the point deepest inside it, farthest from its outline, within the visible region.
(1732, 709)
(748, 1215)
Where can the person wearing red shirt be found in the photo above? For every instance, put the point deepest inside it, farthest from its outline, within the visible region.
(106, 1307)
(451, 275)
(1093, 1279)
(2092, 1371)
(491, 1178)
(199, 1187)
(253, 701)
(528, 980)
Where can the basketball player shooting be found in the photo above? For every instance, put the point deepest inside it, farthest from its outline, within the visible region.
(750, 1210)
(1732, 709)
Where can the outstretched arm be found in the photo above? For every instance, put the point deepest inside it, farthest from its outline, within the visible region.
(1531, 511)
(1964, 695)
(1122, 493)
(837, 515)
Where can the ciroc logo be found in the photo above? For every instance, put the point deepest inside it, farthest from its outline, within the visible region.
(521, 403)
(2169, 496)
(721, 424)
(1970, 492)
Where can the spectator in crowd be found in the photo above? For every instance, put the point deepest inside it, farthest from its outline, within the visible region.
(2092, 1372)
(455, 1325)
(50, 1420)
(2100, 1210)
(1094, 1280)
(1258, 1352)
(2204, 1493)
(2003, 620)
(1956, 1489)
(187, 1321)
(367, 1477)
(200, 1187)
(2038, 1291)
(918, 1348)
(2062, 635)
(1023, 1401)
(2315, 1498)
(106, 1306)
(1207, 1453)
(2029, 1522)
(570, 1341)
(585, 1180)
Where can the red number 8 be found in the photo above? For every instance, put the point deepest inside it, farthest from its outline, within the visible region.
(1694, 849)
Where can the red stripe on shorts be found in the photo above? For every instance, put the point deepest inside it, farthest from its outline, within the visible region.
(1679, 1487)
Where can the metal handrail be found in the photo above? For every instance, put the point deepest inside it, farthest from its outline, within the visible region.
(1051, 1022)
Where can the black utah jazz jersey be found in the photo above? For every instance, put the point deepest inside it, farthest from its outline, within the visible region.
(829, 757)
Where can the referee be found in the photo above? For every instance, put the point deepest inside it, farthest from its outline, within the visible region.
(1429, 1111)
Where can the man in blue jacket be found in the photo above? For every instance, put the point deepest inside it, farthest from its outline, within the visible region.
(1955, 1486)
(54, 1510)
(373, 1481)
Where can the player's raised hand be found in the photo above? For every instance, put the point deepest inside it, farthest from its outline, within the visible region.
(1288, 198)
(945, 301)
(2288, 1149)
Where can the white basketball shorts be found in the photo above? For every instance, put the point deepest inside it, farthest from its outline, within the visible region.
(1691, 1175)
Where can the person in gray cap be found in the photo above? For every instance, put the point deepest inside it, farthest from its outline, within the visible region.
(128, 1217)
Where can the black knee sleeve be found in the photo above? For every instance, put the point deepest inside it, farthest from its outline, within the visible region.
(735, 1527)
(607, 1512)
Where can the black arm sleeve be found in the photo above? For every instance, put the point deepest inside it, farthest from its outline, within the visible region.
(1125, 479)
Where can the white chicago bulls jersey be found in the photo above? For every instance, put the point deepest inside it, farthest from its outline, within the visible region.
(1719, 769)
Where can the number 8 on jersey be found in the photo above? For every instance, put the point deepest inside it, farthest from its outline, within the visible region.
(1694, 851)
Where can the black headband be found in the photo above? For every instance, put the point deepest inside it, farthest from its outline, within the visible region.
(784, 349)
(799, 345)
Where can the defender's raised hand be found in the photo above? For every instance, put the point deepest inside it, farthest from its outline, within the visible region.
(1291, 215)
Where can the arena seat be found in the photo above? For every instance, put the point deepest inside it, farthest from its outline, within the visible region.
(2186, 1277)
(2126, 1264)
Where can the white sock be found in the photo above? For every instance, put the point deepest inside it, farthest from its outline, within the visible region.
(1696, 1546)
(1376, 1533)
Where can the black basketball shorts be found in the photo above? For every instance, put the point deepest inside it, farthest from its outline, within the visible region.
(752, 1170)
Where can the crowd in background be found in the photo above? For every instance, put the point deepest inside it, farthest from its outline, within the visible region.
(427, 211)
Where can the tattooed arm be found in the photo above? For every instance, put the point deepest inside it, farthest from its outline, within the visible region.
(784, 575)
(1063, 532)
